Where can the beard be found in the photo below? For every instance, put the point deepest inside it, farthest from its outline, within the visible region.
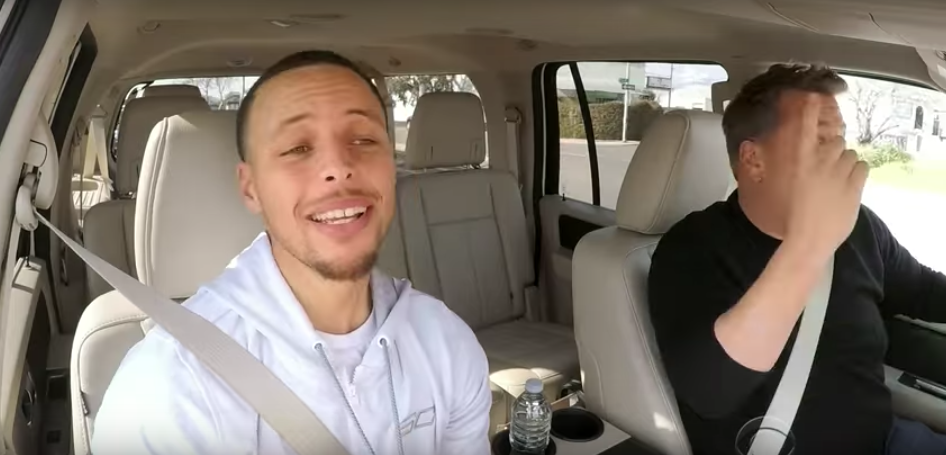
(350, 270)
(340, 272)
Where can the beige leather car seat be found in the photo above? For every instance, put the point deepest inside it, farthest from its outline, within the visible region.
(465, 242)
(171, 90)
(108, 228)
(680, 166)
(189, 224)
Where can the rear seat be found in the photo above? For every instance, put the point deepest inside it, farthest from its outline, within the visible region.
(192, 170)
(464, 240)
(171, 90)
(108, 229)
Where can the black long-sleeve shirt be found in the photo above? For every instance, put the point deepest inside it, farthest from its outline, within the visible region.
(708, 261)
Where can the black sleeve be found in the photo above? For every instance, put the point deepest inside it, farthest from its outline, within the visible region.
(910, 288)
(689, 288)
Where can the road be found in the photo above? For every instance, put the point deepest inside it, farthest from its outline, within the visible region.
(916, 218)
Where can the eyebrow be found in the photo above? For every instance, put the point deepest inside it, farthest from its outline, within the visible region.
(304, 115)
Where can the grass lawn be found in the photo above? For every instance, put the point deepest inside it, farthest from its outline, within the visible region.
(924, 175)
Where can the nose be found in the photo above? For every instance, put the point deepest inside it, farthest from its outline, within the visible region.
(336, 164)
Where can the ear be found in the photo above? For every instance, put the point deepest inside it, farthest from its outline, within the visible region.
(750, 164)
(248, 187)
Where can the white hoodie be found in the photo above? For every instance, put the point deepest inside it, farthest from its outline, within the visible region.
(164, 401)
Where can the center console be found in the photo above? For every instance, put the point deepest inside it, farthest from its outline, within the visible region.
(577, 431)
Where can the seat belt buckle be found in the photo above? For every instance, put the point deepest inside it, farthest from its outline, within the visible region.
(531, 297)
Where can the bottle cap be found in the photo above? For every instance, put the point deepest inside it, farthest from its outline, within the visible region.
(534, 385)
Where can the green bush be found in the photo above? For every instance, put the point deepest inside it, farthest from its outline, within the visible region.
(639, 116)
(878, 155)
(606, 118)
(569, 119)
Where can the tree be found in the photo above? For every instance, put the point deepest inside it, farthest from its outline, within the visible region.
(408, 89)
(215, 89)
(866, 97)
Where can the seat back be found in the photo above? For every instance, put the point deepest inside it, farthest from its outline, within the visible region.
(109, 233)
(189, 223)
(464, 228)
(680, 166)
(138, 118)
(107, 226)
(172, 90)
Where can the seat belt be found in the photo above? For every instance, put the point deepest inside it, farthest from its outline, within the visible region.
(96, 141)
(513, 118)
(292, 419)
(778, 419)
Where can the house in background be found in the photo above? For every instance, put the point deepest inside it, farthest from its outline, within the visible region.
(672, 85)
(910, 118)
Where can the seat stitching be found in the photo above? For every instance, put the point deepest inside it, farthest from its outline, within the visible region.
(430, 242)
(84, 426)
(654, 368)
(502, 246)
(460, 220)
(476, 278)
(106, 324)
(664, 195)
(145, 274)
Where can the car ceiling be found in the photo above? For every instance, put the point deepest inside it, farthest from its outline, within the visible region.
(151, 38)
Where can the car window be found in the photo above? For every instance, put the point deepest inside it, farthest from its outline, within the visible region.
(221, 93)
(405, 90)
(897, 129)
(622, 99)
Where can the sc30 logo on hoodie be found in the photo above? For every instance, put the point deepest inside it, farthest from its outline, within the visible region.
(418, 420)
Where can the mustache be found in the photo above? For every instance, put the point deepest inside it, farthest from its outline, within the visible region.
(352, 193)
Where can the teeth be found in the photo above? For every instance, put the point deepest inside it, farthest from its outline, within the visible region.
(339, 215)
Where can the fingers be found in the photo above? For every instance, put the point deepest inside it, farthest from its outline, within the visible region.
(859, 174)
(848, 158)
(832, 149)
(807, 112)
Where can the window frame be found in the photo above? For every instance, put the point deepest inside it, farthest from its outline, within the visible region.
(22, 40)
(71, 91)
(547, 139)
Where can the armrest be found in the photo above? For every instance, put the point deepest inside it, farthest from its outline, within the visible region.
(917, 398)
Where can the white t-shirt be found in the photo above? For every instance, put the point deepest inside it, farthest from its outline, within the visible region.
(346, 352)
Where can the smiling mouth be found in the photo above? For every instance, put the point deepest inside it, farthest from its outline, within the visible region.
(339, 216)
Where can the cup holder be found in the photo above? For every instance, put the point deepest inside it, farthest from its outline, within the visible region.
(501, 445)
(771, 427)
(576, 425)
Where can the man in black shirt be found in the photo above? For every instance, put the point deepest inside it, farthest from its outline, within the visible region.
(728, 284)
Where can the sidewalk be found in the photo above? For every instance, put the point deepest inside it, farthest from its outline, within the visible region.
(599, 142)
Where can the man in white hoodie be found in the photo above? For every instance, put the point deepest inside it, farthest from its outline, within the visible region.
(387, 369)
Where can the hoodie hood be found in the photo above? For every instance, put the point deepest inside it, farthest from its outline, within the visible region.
(253, 287)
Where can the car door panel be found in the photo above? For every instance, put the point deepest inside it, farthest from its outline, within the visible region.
(564, 222)
(25, 351)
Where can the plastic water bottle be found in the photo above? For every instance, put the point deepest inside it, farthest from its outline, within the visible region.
(531, 420)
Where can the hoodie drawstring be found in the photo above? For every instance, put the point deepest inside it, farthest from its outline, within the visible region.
(351, 410)
(397, 419)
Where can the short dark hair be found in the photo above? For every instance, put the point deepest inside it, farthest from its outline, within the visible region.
(289, 63)
(754, 111)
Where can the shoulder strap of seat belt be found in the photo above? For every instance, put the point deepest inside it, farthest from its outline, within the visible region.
(777, 423)
(97, 141)
(248, 377)
(513, 118)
